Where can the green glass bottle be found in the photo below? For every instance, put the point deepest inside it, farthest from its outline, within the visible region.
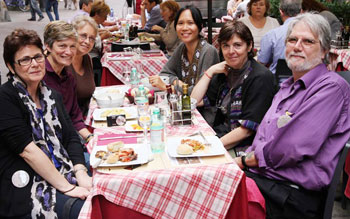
(186, 105)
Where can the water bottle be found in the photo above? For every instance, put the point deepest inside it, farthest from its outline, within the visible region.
(111, 15)
(141, 98)
(157, 132)
(134, 77)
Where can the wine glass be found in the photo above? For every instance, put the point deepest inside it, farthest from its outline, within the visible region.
(144, 120)
(126, 74)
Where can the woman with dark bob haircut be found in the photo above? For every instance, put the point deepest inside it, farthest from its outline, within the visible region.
(258, 22)
(192, 57)
(239, 89)
(41, 157)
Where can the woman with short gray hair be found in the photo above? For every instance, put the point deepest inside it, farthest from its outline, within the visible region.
(60, 40)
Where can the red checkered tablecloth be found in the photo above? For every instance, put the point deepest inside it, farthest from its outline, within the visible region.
(150, 65)
(339, 56)
(215, 35)
(191, 192)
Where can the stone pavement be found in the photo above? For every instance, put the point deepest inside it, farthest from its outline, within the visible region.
(19, 20)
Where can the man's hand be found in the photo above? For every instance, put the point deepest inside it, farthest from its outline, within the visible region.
(250, 160)
(142, 6)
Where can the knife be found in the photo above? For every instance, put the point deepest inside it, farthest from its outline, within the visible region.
(206, 142)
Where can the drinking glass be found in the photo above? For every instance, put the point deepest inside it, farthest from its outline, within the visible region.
(126, 74)
(144, 120)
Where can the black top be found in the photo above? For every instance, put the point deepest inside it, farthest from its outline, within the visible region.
(248, 103)
(15, 135)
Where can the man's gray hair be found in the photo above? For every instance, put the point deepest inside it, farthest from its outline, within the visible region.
(291, 8)
(318, 25)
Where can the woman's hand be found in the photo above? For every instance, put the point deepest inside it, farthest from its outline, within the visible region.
(84, 180)
(78, 192)
(217, 69)
(156, 81)
(157, 28)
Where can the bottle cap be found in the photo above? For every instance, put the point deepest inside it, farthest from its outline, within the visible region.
(141, 87)
(156, 111)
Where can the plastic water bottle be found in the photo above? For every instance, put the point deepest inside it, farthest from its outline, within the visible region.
(134, 77)
(111, 15)
(157, 132)
(141, 98)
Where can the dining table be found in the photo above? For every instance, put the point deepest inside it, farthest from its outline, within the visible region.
(166, 186)
(114, 63)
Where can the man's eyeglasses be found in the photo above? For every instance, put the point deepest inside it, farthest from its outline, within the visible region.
(306, 43)
(85, 36)
(39, 58)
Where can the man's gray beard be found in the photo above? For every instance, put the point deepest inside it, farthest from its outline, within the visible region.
(307, 66)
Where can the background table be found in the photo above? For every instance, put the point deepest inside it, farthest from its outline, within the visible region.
(339, 59)
(112, 72)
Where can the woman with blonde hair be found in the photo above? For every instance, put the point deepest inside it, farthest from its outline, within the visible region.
(167, 35)
(81, 67)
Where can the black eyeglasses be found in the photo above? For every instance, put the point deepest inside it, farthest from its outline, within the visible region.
(39, 58)
(84, 36)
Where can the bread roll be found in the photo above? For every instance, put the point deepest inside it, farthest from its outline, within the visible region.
(112, 158)
(115, 146)
(184, 149)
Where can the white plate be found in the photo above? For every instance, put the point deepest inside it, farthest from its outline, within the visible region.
(131, 113)
(216, 148)
(110, 90)
(129, 128)
(141, 150)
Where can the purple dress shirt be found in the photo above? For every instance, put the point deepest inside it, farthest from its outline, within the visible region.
(305, 148)
(66, 86)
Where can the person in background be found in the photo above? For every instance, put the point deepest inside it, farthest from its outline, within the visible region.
(41, 157)
(241, 9)
(154, 18)
(295, 150)
(99, 12)
(239, 88)
(60, 40)
(34, 8)
(313, 5)
(81, 67)
(192, 57)
(273, 42)
(167, 35)
(85, 9)
(258, 21)
(52, 4)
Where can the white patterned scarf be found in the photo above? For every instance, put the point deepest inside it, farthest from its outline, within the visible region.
(46, 130)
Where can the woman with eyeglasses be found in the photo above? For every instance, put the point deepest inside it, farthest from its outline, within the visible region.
(60, 40)
(81, 66)
(41, 157)
(239, 90)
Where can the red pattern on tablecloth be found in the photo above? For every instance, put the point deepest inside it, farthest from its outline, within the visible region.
(215, 36)
(339, 56)
(151, 65)
(191, 192)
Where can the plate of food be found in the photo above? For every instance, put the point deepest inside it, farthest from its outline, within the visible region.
(144, 38)
(117, 154)
(133, 126)
(194, 147)
(101, 114)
